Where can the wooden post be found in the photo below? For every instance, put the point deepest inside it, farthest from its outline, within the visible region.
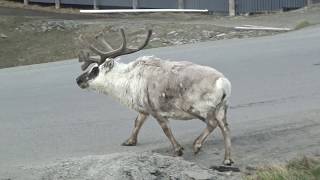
(232, 7)
(180, 4)
(57, 3)
(135, 4)
(95, 5)
(25, 2)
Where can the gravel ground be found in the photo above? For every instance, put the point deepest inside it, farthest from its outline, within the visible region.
(24, 37)
(126, 166)
(31, 36)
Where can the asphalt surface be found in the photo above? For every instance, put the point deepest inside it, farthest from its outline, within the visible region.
(44, 116)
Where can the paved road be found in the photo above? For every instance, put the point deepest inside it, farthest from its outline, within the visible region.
(44, 116)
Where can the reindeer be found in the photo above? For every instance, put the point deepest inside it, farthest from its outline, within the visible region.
(163, 89)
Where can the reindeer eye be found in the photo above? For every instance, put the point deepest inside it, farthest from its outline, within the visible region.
(94, 72)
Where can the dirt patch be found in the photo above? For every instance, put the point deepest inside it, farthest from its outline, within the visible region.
(39, 34)
(30, 36)
(34, 39)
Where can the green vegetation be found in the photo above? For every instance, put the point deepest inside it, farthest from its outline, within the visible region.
(298, 169)
(303, 24)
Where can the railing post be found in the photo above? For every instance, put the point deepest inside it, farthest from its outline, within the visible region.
(25, 2)
(135, 4)
(95, 5)
(232, 7)
(180, 4)
(57, 4)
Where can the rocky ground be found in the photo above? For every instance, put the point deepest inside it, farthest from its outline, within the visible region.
(23, 37)
(42, 34)
(120, 166)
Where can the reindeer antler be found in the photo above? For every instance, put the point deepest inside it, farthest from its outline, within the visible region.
(113, 53)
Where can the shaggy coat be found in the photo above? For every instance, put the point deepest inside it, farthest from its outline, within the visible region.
(177, 90)
(166, 90)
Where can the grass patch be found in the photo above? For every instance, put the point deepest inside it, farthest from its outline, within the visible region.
(302, 24)
(298, 169)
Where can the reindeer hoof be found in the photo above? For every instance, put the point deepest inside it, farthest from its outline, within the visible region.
(228, 162)
(196, 146)
(196, 149)
(178, 151)
(129, 142)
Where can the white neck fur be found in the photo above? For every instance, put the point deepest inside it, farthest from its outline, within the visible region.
(118, 83)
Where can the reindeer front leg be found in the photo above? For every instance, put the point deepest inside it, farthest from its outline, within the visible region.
(178, 149)
(133, 139)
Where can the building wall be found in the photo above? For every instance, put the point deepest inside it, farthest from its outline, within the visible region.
(221, 6)
(244, 6)
(162, 4)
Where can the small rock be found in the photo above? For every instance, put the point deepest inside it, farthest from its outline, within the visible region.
(60, 26)
(208, 34)
(251, 168)
(44, 28)
(222, 34)
(3, 36)
(172, 33)
(155, 39)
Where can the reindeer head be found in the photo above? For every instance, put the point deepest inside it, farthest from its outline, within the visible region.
(105, 62)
